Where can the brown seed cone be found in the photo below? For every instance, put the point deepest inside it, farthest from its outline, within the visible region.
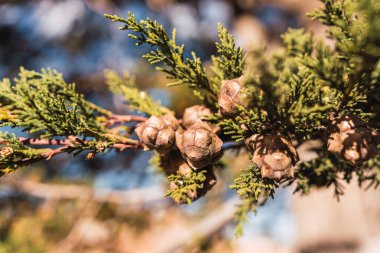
(172, 162)
(158, 132)
(231, 96)
(352, 140)
(195, 114)
(193, 195)
(6, 151)
(274, 155)
(170, 120)
(199, 145)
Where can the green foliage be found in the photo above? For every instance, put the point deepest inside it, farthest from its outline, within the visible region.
(296, 89)
(44, 104)
(229, 62)
(306, 105)
(253, 190)
(369, 173)
(298, 42)
(286, 93)
(354, 27)
(186, 186)
(15, 154)
(293, 92)
(327, 170)
(324, 171)
(255, 120)
(136, 99)
(175, 65)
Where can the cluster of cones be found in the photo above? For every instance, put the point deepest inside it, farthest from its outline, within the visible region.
(185, 146)
(193, 144)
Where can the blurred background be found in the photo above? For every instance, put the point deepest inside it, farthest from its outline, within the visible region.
(115, 203)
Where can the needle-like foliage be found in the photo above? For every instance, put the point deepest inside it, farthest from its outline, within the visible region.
(294, 93)
(167, 54)
(45, 105)
(136, 99)
(253, 190)
(229, 62)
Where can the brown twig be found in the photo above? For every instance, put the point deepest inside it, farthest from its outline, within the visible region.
(115, 118)
(48, 155)
(125, 144)
(66, 144)
(120, 119)
(45, 142)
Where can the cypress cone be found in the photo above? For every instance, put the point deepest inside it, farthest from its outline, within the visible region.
(158, 133)
(231, 96)
(273, 154)
(199, 145)
(352, 139)
(195, 114)
(6, 151)
(172, 162)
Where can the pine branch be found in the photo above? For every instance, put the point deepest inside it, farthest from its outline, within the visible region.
(113, 119)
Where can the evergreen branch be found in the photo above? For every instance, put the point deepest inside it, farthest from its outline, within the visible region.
(370, 172)
(44, 104)
(15, 151)
(249, 122)
(187, 187)
(298, 42)
(253, 190)
(120, 119)
(353, 24)
(306, 105)
(229, 62)
(138, 100)
(293, 92)
(15, 154)
(323, 171)
(65, 142)
(168, 53)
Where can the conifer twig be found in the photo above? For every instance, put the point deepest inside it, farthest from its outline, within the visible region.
(53, 152)
(120, 119)
(167, 52)
(68, 142)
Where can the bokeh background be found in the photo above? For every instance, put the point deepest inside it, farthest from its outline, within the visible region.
(115, 203)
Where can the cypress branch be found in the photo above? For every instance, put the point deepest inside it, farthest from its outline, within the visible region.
(304, 92)
(168, 53)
